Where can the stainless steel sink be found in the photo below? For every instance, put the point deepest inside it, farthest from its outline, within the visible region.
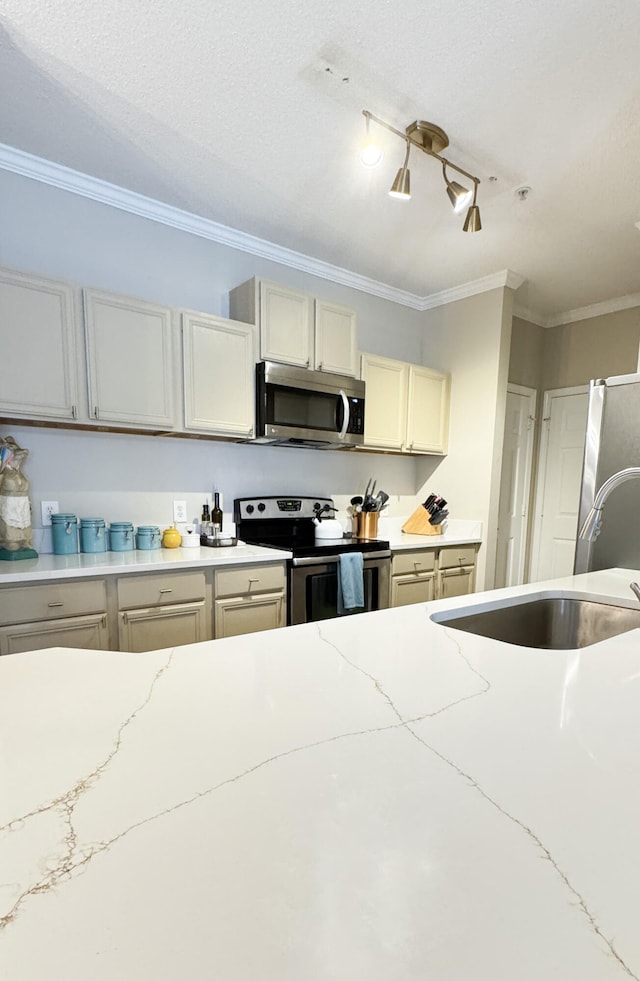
(549, 622)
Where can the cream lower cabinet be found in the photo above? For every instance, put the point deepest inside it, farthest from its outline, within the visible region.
(421, 575)
(249, 599)
(407, 406)
(456, 570)
(72, 614)
(162, 610)
(413, 577)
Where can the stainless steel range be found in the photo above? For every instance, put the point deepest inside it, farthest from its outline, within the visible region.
(312, 574)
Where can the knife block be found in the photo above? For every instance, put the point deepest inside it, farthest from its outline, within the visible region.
(418, 524)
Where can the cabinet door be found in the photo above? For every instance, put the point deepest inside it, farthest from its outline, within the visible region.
(129, 360)
(385, 415)
(162, 626)
(84, 633)
(219, 383)
(37, 363)
(248, 614)
(456, 582)
(412, 589)
(427, 410)
(286, 325)
(335, 339)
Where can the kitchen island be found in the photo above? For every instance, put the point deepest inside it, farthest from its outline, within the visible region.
(372, 797)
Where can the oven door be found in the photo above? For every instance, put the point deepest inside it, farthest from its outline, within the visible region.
(313, 587)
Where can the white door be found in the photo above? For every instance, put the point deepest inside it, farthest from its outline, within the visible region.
(559, 478)
(515, 485)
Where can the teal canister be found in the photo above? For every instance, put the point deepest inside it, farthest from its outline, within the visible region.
(64, 534)
(121, 536)
(93, 535)
(148, 536)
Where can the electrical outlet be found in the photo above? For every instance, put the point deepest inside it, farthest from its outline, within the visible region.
(47, 509)
(179, 511)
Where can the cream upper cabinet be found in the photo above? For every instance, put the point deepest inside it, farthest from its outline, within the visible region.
(297, 328)
(286, 325)
(385, 414)
(38, 361)
(406, 406)
(336, 347)
(219, 384)
(130, 361)
(427, 410)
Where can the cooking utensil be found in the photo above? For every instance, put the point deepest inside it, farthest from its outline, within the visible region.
(356, 500)
(380, 500)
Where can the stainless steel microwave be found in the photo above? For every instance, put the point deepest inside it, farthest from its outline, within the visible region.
(298, 407)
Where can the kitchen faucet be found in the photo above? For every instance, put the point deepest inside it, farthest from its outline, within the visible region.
(592, 523)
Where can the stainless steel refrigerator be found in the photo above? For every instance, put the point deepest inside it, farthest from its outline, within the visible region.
(612, 444)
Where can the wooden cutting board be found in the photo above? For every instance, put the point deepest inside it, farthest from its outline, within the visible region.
(418, 524)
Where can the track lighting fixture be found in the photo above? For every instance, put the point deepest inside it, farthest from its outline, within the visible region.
(431, 140)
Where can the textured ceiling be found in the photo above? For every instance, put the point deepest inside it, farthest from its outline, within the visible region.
(249, 113)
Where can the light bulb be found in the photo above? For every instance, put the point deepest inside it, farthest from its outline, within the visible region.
(371, 155)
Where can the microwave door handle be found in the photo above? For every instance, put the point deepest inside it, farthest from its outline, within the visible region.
(345, 415)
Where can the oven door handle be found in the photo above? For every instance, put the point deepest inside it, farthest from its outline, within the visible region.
(345, 415)
(328, 559)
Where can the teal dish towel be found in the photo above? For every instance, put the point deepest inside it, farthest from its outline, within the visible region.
(350, 581)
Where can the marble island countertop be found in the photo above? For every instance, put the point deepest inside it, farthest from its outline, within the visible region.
(375, 797)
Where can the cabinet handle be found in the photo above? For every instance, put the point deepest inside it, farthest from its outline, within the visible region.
(55, 604)
(95, 412)
(319, 366)
(253, 580)
(416, 564)
(73, 412)
(167, 590)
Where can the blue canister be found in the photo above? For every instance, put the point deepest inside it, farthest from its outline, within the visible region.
(64, 534)
(121, 536)
(93, 535)
(148, 536)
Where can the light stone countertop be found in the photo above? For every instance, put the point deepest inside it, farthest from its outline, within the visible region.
(50, 567)
(374, 797)
(456, 532)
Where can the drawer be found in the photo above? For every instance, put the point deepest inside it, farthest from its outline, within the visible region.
(416, 561)
(451, 558)
(158, 590)
(19, 604)
(250, 579)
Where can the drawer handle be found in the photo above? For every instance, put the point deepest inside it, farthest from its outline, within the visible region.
(55, 604)
(167, 590)
(416, 564)
(253, 580)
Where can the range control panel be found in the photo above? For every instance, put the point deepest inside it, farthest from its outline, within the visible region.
(249, 508)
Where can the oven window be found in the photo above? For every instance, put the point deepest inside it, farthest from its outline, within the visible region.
(301, 409)
(322, 594)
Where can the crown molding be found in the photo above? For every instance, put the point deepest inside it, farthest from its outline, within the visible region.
(594, 310)
(531, 315)
(579, 313)
(57, 175)
(494, 281)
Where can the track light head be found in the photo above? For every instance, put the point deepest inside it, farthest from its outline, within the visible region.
(459, 196)
(401, 187)
(472, 222)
